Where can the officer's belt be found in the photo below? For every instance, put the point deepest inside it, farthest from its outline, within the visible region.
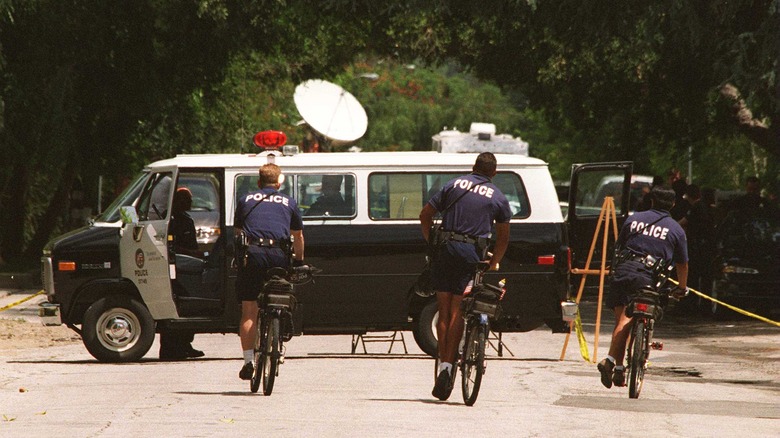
(458, 237)
(267, 243)
(646, 260)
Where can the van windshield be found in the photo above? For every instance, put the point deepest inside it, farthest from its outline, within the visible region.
(127, 197)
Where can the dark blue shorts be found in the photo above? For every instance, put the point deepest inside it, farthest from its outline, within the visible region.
(251, 278)
(453, 267)
(628, 278)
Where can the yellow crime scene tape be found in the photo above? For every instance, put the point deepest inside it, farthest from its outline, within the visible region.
(22, 300)
(584, 344)
(736, 309)
(581, 338)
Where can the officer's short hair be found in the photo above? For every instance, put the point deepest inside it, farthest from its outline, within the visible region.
(269, 174)
(486, 164)
(663, 198)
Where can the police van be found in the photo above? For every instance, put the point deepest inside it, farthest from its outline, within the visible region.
(119, 281)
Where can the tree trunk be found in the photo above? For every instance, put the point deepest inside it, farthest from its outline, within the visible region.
(57, 209)
(765, 137)
(15, 211)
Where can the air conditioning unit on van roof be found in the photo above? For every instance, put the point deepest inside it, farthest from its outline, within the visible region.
(481, 137)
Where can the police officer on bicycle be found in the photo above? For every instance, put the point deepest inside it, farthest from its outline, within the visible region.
(645, 237)
(264, 222)
(469, 205)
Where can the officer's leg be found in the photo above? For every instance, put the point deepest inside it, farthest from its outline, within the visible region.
(247, 327)
(455, 329)
(617, 348)
(443, 300)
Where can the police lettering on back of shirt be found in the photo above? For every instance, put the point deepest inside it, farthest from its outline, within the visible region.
(654, 232)
(490, 202)
(268, 214)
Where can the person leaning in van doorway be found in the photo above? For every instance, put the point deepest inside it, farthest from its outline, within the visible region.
(664, 240)
(177, 345)
(268, 219)
(469, 205)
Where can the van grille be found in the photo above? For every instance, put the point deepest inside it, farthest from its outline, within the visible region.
(47, 275)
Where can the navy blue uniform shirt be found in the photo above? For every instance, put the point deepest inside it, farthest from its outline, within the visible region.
(276, 215)
(651, 232)
(265, 214)
(472, 214)
(654, 232)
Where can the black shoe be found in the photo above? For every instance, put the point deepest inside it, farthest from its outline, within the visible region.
(605, 368)
(191, 352)
(246, 372)
(442, 389)
(619, 376)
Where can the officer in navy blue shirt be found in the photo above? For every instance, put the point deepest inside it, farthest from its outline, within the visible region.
(268, 219)
(654, 233)
(469, 205)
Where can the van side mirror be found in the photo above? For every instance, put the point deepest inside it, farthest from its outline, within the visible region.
(129, 215)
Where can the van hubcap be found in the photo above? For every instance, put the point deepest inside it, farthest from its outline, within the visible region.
(118, 329)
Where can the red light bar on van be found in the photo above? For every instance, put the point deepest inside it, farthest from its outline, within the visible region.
(270, 139)
(546, 260)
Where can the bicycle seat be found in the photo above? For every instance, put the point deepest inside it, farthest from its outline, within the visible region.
(276, 272)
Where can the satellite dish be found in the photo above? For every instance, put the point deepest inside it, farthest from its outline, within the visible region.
(331, 111)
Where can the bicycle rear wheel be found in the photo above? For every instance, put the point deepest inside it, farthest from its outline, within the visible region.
(473, 363)
(270, 353)
(638, 358)
(254, 384)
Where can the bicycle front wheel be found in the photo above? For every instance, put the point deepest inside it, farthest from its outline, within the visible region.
(473, 363)
(254, 384)
(638, 358)
(270, 353)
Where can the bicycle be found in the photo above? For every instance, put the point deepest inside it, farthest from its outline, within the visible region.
(274, 323)
(644, 309)
(479, 305)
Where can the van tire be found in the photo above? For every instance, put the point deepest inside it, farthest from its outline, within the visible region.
(424, 329)
(117, 329)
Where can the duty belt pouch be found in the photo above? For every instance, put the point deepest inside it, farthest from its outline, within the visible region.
(241, 245)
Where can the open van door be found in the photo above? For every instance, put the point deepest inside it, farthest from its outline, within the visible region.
(590, 184)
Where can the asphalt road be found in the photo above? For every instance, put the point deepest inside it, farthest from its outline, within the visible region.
(711, 379)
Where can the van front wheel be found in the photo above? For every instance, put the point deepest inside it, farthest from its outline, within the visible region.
(425, 329)
(117, 329)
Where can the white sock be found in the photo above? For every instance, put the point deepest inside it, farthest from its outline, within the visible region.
(249, 356)
(611, 359)
(445, 366)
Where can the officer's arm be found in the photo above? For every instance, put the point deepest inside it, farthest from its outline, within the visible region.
(502, 243)
(682, 274)
(426, 220)
(297, 243)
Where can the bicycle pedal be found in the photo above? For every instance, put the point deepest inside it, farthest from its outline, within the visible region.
(657, 345)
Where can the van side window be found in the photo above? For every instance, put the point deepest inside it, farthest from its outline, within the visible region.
(403, 195)
(324, 196)
(153, 204)
(320, 196)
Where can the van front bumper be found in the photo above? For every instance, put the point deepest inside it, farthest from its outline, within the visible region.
(50, 314)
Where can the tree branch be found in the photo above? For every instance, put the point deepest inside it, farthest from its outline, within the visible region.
(757, 131)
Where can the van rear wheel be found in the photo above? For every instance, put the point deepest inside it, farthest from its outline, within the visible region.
(424, 329)
(117, 329)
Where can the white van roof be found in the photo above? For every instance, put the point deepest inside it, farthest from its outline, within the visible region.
(341, 160)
